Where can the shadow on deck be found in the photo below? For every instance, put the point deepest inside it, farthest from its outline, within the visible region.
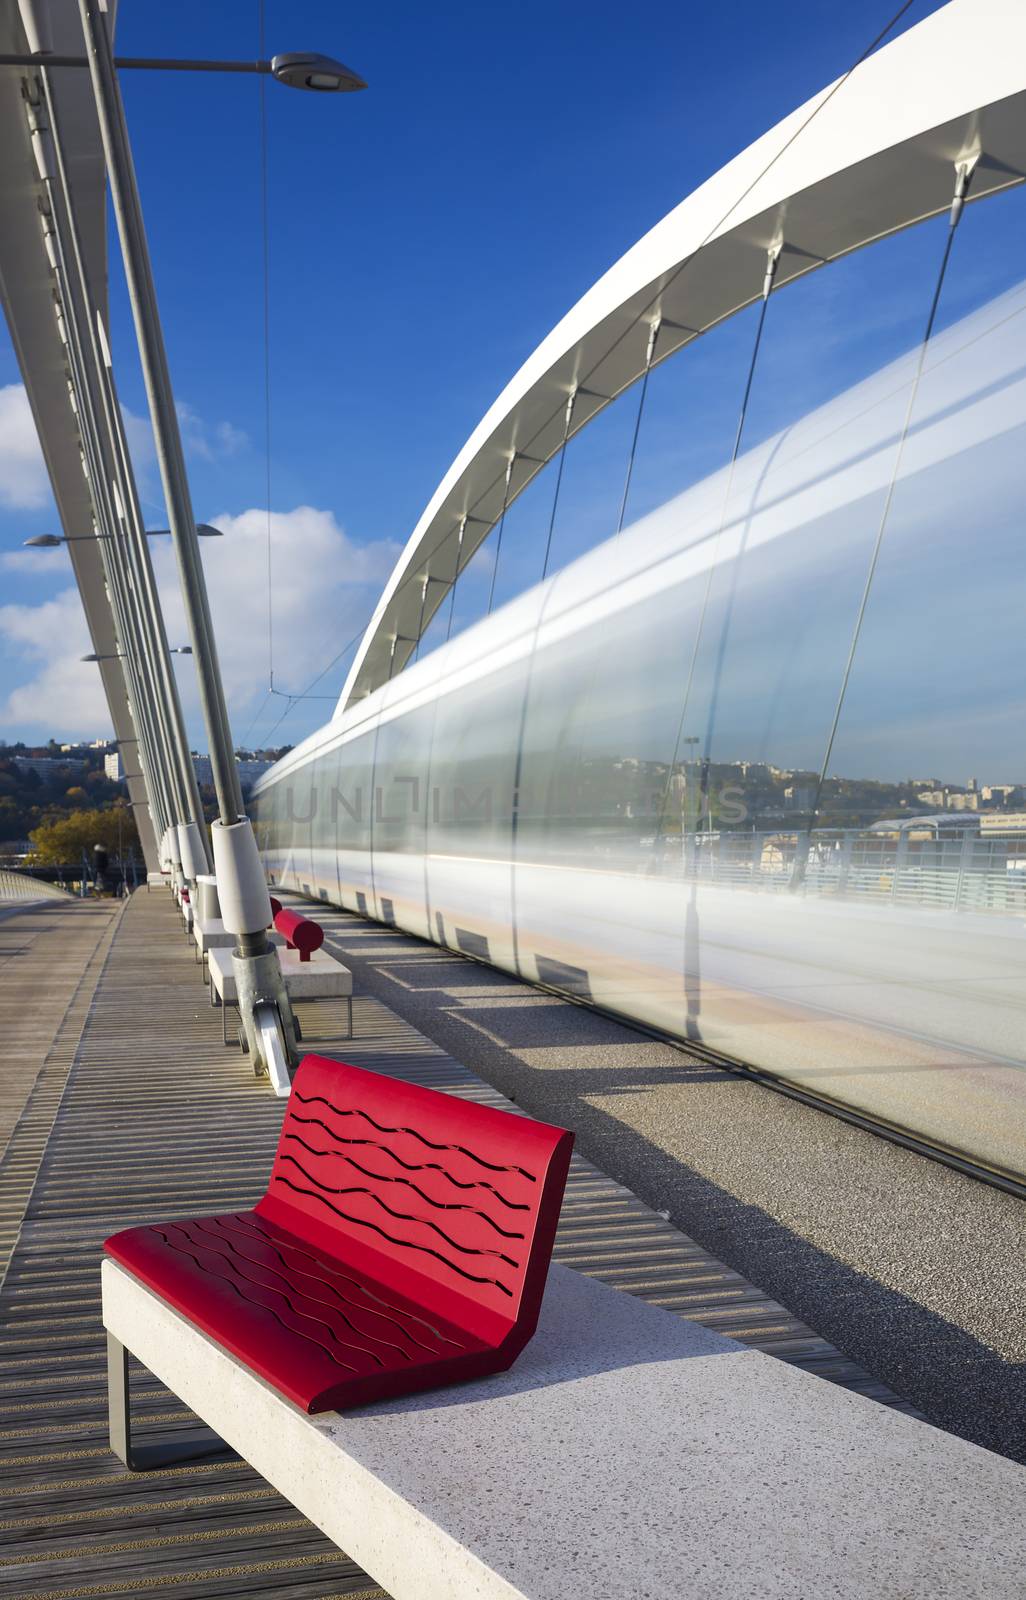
(124, 1117)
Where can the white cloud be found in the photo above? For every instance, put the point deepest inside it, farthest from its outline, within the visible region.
(208, 443)
(324, 587)
(139, 434)
(24, 484)
(64, 695)
(35, 563)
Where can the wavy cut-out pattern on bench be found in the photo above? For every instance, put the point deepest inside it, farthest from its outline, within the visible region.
(403, 1242)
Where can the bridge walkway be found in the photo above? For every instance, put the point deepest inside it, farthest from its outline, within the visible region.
(155, 1118)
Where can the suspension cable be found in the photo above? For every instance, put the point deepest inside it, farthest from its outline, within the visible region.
(502, 524)
(772, 259)
(455, 576)
(653, 334)
(571, 401)
(963, 176)
(652, 305)
(682, 267)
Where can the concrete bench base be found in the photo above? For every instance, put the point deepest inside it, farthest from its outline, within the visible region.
(321, 977)
(211, 934)
(626, 1453)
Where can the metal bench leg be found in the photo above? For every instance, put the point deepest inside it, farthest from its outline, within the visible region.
(194, 1445)
(224, 1019)
(118, 1417)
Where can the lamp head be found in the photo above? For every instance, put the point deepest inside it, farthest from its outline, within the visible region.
(43, 541)
(306, 70)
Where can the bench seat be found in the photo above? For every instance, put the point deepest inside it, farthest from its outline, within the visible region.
(323, 1332)
(403, 1242)
(628, 1453)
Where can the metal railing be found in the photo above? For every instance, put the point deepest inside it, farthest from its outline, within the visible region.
(964, 871)
(17, 886)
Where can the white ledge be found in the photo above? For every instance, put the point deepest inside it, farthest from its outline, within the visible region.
(627, 1453)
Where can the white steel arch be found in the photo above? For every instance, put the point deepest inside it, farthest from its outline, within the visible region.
(874, 152)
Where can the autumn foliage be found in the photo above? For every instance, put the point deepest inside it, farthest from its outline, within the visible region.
(60, 843)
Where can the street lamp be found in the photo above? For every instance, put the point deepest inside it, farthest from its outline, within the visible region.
(52, 541)
(267, 1017)
(297, 69)
(119, 655)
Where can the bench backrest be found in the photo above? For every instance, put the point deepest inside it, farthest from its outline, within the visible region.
(452, 1204)
(301, 933)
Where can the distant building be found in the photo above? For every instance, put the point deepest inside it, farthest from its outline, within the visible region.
(927, 827)
(249, 771)
(48, 766)
(1003, 822)
(799, 797)
(113, 766)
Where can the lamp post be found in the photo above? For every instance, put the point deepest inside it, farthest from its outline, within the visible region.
(165, 763)
(266, 1013)
(300, 69)
(119, 655)
(53, 541)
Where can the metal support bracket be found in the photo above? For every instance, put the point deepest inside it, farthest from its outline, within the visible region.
(195, 1444)
(268, 1023)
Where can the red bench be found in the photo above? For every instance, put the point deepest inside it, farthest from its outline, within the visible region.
(403, 1242)
(299, 932)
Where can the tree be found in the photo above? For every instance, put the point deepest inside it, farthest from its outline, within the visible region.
(61, 842)
(10, 818)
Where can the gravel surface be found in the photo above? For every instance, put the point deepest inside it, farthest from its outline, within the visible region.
(913, 1269)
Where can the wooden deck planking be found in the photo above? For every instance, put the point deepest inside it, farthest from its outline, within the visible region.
(152, 1103)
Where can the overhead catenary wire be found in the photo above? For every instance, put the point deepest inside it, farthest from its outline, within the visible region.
(245, 745)
(304, 694)
(266, 257)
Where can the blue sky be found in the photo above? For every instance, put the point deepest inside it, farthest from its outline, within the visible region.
(424, 236)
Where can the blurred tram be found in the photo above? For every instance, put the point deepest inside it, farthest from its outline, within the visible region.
(613, 785)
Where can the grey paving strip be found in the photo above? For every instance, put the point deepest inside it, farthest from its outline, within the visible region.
(913, 1269)
(53, 967)
(159, 1119)
(636, 1249)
